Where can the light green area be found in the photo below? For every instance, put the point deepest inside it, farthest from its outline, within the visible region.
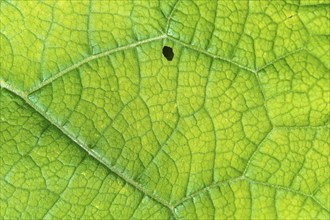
(97, 124)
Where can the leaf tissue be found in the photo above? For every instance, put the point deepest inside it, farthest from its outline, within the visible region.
(176, 109)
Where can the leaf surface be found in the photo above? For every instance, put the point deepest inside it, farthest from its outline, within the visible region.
(96, 123)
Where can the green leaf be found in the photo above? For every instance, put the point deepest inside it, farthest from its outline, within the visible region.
(96, 123)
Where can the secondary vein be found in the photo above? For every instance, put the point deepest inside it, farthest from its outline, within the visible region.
(90, 58)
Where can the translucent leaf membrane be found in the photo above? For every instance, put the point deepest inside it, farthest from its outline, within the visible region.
(97, 122)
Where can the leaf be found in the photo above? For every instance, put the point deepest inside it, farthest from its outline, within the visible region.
(96, 123)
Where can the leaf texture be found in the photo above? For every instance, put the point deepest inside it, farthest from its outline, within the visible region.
(97, 124)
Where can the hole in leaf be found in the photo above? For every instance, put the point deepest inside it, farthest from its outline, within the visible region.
(168, 53)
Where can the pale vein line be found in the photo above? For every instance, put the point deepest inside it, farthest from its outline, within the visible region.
(210, 54)
(105, 53)
(170, 16)
(91, 152)
(213, 185)
(251, 181)
(287, 189)
(280, 58)
(324, 125)
(93, 57)
(256, 151)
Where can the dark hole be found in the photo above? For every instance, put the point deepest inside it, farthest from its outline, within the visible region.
(168, 53)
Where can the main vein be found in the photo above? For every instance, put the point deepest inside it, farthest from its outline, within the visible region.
(92, 153)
